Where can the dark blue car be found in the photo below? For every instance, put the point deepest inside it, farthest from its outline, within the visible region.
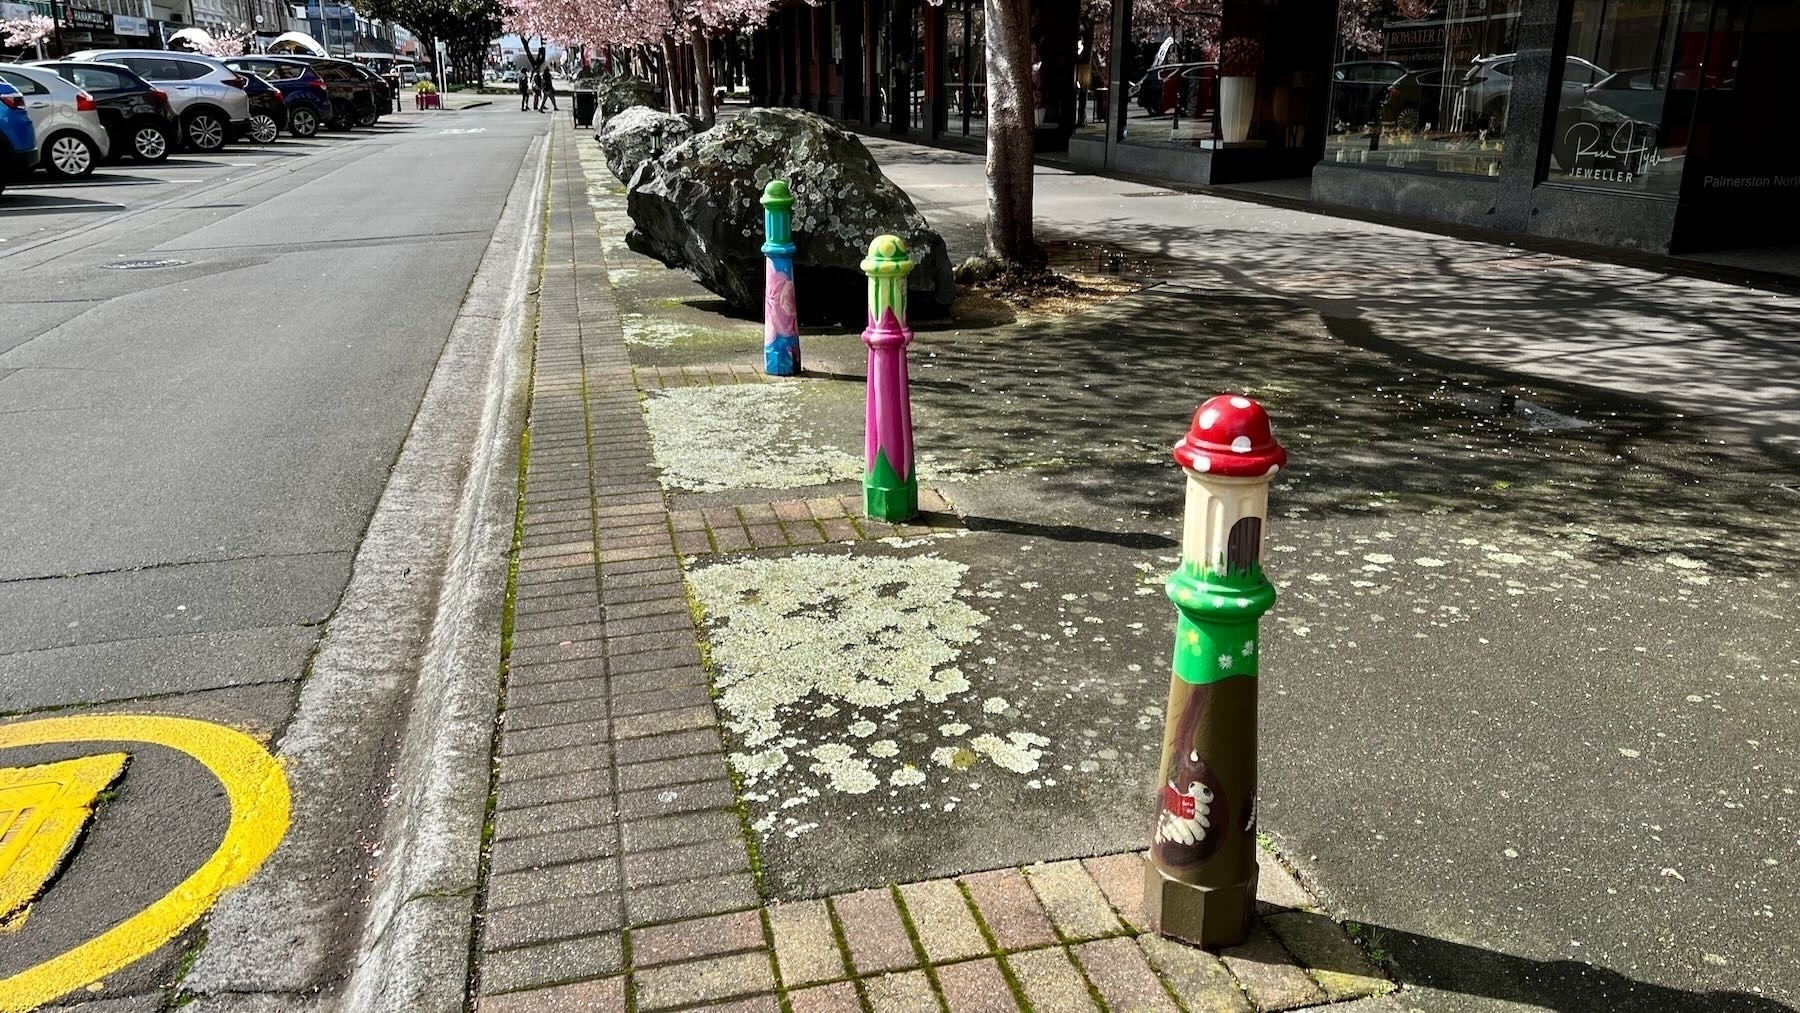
(18, 141)
(304, 92)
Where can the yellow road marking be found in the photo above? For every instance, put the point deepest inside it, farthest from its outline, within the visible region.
(255, 785)
(42, 810)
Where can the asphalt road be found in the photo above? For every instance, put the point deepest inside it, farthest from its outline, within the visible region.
(207, 369)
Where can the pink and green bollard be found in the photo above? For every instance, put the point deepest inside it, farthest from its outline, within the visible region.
(781, 319)
(890, 488)
(1200, 878)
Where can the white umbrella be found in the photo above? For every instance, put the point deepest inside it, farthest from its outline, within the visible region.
(195, 37)
(288, 42)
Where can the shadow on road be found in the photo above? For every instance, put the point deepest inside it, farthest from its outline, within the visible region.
(1565, 986)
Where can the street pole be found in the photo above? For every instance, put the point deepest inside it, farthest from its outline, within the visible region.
(781, 322)
(890, 489)
(1200, 877)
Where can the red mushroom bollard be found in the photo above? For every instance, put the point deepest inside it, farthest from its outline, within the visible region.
(1200, 880)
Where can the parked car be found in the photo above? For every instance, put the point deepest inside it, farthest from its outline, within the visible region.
(136, 113)
(208, 97)
(303, 91)
(1360, 87)
(1420, 99)
(509, 76)
(268, 110)
(409, 73)
(352, 95)
(18, 141)
(1174, 86)
(1487, 87)
(71, 139)
(384, 93)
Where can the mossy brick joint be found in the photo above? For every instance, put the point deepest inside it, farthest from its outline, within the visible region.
(890, 488)
(1201, 872)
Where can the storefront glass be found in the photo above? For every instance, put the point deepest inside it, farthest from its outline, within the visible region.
(1423, 84)
(1093, 68)
(965, 67)
(1625, 106)
(1171, 56)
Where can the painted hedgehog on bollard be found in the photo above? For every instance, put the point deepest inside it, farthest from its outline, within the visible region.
(699, 207)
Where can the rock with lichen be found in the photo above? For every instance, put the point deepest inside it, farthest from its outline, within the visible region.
(698, 208)
(618, 93)
(639, 134)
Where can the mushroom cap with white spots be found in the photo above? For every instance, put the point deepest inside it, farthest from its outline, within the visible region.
(1231, 436)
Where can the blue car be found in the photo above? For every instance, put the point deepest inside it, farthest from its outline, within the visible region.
(305, 93)
(18, 141)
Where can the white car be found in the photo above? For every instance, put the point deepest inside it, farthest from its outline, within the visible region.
(207, 96)
(71, 138)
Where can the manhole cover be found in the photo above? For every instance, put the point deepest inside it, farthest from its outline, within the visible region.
(141, 265)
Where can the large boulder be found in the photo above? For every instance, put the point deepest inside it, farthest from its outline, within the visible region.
(639, 134)
(699, 207)
(618, 93)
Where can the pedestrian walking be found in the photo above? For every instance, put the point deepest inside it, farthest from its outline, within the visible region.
(524, 92)
(548, 84)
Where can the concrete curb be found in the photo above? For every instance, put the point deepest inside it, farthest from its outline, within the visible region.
(415, 947)
(414, 646)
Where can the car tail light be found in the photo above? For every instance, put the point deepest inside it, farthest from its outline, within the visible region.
(13, 101)
(84, 103)
(317, 84)
(235, 82)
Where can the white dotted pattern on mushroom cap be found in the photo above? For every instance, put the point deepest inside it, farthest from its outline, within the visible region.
(1202, 463)
(1240, 402)
(1208, 417)
(1241, 445)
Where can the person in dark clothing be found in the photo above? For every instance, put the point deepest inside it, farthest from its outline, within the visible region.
(547, 85)
(524, 92)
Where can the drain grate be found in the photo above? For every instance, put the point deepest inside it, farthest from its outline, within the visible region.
(141, 265)
(1156, 193)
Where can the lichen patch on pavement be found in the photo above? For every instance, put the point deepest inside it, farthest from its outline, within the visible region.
(817, 653)
(707, 439)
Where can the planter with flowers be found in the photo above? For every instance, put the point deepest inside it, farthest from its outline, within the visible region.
(1239, 63)
(425, 95)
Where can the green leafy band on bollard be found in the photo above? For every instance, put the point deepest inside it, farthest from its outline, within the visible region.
(1200, 878)
(781, 318)
(890, 489)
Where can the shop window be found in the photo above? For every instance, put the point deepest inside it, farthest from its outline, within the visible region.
(965, 67)
(1093, 69)
(1423, 84)
(1171, 58)
(1626, 99)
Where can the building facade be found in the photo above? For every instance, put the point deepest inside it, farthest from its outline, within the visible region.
(1650, 124)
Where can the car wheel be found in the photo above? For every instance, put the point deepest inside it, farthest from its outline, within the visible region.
(205, 132)
(303, 122)
(367, 118)
(1408, 120)
(263, 128)
(69, 155)
(149, 143)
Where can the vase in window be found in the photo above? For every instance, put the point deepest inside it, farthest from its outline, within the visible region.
(1239, 62)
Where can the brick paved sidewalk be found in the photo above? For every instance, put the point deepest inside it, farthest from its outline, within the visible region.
(619, 875)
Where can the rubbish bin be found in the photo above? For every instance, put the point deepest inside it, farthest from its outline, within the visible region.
(585, 101)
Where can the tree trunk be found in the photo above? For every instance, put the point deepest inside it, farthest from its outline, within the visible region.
(703, 62)
(672, 75)
(1009, 133)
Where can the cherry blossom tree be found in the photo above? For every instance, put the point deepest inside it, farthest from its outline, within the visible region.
(231, 42)
(26, 32)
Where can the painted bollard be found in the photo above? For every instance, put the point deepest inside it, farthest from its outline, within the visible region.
(781, 319)
(1200, 877)
(890, 489)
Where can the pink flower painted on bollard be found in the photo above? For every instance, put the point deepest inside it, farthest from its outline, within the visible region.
(780, 310)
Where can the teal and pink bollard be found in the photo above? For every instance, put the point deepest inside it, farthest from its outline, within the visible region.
(1200, 878)
(890, 489)
(781, 319)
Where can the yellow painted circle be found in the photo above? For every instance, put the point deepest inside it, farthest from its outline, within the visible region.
(257, 789)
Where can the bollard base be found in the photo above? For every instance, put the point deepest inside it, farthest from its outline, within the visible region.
(1213, 917)
(895, 504)
(782, 357)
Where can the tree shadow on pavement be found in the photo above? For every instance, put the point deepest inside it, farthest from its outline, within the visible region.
(1566, 986)
(1372, 427)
